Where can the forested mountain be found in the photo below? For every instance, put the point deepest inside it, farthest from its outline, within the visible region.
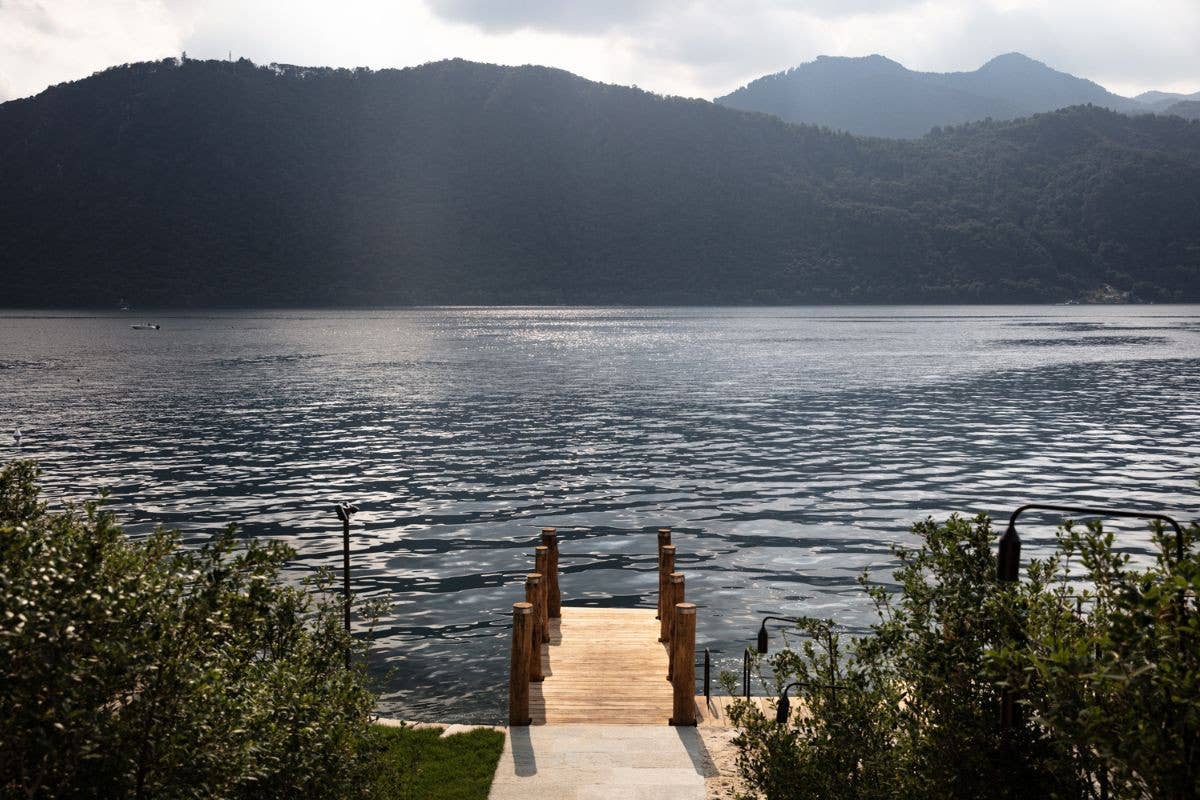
(227, 184)
(875, 96)
(1188, 109)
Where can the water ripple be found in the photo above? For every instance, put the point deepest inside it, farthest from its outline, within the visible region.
(788, 448)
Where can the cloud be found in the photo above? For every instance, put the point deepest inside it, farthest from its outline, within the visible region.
(561, 16)
(709, 47)
(698, 48)
(49, 41)
(592, 17)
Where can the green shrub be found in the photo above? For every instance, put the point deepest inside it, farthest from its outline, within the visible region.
(1104, 666)
(143, 669)
(1111, 665)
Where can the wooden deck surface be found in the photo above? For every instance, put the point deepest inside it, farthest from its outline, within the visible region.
(603, 666)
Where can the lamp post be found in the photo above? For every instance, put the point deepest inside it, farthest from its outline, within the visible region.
(763, 646)
(1008, 562)
(344, 510)
(784, 707)
(762, 632)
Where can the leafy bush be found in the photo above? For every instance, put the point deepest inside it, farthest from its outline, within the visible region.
(140, 668)
(1104, 666)
(1111, 668)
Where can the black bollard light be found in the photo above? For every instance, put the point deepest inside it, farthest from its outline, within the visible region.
(762, 632)
(1009, 558)
(1008, 562)
(784, 707)
(344, 510)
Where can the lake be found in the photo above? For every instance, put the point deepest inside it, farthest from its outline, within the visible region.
(787, 447)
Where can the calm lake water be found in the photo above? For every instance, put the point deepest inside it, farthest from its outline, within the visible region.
(787, 447)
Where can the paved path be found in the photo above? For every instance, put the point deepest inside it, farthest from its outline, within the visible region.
(602, 762)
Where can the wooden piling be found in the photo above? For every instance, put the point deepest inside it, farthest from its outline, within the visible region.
(664, 539)
(534, 596)
(518, 673)
(541, 555)
(666, 565)
(675, 593)
(554, 607)
(683, 650)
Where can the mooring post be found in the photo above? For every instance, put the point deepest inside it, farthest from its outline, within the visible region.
(533, 596)
(541, 563)
(683, 648)
(675, 592)
(550, 540)
(664, 539)
(518, 672)
(666, 565)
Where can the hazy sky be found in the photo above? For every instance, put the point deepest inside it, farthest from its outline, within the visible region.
(701, 48)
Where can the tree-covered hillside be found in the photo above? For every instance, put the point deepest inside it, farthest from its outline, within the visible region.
(216, 183)
(1188, 109)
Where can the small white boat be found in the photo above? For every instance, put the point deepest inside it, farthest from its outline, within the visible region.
(145, 326)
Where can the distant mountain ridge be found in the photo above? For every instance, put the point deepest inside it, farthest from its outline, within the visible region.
(209, 184)
(875, 96)
(1161, 102)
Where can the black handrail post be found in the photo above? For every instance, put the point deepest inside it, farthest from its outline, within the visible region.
(832, 669)
(746, 673)
(707, 666)
(344, 510)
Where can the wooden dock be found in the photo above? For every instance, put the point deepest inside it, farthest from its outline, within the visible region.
(603, 665)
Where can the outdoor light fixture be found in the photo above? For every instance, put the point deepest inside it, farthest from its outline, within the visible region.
(784, 707)
(344, 510)
(762, 632)
(1008, 562)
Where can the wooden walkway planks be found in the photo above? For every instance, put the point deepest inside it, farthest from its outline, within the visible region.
(603, 666)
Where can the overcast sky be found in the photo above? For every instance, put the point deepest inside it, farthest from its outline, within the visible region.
(702, 48)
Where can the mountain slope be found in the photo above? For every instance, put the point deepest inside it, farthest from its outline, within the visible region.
(227, 184)
(1188, 109)
(1159, 102)
(875, 96)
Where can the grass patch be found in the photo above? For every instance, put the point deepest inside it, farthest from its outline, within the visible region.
(414, 764)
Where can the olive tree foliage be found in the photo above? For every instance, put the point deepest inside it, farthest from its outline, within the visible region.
(145, 669)
(1101, 660)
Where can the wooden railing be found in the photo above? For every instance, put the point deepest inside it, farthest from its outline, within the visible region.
(543, 602)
